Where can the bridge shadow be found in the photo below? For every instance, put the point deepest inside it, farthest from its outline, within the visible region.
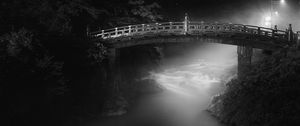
(253, 41)
(244, 48)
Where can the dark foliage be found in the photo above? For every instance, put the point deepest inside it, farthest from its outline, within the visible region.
(125, 12)
(30, 78)
(50, 73)
(268, 95)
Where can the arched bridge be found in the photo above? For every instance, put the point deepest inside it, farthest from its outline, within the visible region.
(237, 34)
(246, 37)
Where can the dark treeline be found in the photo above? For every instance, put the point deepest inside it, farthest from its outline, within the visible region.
(47, 63)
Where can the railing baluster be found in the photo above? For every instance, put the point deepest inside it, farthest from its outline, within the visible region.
(129, 28)
(156, 27)
(102, 34)
(143, 27)
(171, 25)
(116, 32)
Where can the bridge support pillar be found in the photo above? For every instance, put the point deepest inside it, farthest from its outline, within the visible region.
(244, 59)
(113, 77)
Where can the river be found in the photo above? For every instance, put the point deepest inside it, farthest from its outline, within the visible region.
(188, 76)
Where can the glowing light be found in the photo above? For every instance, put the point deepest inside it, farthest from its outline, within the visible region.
(267, 23)
(282, 1)
(268, 18)
(276, 13)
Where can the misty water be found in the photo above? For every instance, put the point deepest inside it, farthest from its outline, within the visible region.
(190, 75)
(173, 83)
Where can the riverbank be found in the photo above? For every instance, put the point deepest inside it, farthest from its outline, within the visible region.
(268, 95)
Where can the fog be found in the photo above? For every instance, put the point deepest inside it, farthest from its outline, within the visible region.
(190, 76)
(281, 14)
(197, 68)
(251, 12)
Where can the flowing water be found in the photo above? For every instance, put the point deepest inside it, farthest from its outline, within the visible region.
(189, 76)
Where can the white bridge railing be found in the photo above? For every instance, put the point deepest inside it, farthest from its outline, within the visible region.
(191, 28)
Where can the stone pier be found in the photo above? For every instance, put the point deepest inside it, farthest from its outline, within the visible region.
(113, 77)
(244, 59)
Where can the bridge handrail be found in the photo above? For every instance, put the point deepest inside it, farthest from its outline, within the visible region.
(186, 27)
(132, 26)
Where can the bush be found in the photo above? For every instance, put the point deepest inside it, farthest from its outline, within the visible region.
(268, 95)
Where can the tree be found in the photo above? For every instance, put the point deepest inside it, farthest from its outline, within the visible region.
(44, 41)
(45, 15)
(124, 12)
(29, 77)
